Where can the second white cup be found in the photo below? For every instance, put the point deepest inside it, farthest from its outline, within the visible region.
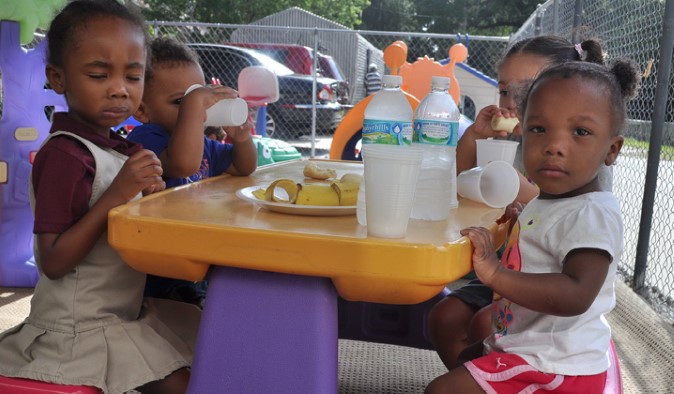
(391, 174)
(258, 85)
(489, 150)
(496, 184)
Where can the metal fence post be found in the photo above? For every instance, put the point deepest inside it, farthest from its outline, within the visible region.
(313, 99)
(555, 17)
(657, 126)
(577, 19)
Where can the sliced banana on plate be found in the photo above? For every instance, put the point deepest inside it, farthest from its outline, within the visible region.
(313, 170)
(342, 192)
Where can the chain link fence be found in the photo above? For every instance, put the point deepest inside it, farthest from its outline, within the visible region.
(634, 29)
(338, 70)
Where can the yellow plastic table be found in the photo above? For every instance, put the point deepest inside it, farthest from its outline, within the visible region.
(270, 319)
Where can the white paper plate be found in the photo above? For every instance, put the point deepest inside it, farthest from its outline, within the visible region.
(305, 210)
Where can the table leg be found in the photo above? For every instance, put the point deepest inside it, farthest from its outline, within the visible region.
(266, 332)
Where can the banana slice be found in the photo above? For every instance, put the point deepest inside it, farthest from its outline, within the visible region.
(499, 122)
(350, 177)
(259, 194)
(290, 187)
(317, 194)
(313, 170)
(347, 192)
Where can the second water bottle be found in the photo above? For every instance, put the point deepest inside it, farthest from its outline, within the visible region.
(436, 130)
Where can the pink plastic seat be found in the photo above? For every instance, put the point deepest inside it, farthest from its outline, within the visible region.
(27, 386)
(614, 384)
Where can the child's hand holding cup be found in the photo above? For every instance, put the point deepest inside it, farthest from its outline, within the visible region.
(226, 112)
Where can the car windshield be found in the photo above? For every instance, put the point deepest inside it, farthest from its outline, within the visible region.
(330, 67)
(272, 64)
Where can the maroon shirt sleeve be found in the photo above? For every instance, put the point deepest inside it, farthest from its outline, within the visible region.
(63, 174)
(64, 171)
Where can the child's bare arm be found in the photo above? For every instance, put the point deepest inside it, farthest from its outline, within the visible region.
(244, 153)
(568, 293)
(60, 253)
(185, 150)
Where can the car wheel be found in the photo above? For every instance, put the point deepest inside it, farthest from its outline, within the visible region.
(276, 130)
(270, 125)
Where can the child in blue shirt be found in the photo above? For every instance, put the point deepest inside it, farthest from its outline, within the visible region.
(173, 128)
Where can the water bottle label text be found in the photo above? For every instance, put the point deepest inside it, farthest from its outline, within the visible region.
(436, 132)
(387, 132)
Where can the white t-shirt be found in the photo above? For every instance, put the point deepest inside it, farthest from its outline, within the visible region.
(546, 231)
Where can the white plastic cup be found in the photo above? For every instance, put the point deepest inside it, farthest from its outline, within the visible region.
(226, 112)
(495, 185)
(490, 150)
(391, 174)
(258, 85)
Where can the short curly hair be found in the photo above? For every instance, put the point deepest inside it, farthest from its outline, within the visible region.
(169, 52)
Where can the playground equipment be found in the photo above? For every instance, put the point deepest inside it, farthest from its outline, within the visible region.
(23, 127)
(416, 85)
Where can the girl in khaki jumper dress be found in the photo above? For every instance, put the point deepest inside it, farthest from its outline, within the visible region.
(89, 324)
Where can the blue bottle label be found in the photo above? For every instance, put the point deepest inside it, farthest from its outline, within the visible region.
(436, 132)
(387, 132)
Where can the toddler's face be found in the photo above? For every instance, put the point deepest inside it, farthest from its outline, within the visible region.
(102, 73)
(515, 73)
(567, 136)
(164, 92)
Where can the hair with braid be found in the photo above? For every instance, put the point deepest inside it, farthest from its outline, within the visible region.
(620, 82)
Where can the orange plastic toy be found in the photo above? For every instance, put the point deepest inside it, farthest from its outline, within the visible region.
(416, 85)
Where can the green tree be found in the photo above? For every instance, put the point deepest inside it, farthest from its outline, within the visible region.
(390, 15)
(482, 17)
(346, 12)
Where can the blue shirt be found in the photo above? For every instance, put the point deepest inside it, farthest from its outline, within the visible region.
(216, 159)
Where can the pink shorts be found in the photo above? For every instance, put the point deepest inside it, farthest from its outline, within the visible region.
(509, 373)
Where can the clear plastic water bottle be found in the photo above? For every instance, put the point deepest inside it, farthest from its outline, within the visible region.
(388, 120)
(436, 131)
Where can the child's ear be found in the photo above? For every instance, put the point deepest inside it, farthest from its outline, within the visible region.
(614, 149)
(141, 113)
(55, 78)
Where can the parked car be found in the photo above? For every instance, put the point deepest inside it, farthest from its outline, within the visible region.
(300, 59)
(291, 115)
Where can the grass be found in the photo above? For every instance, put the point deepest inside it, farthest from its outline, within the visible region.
(643, 145)
(666, 151)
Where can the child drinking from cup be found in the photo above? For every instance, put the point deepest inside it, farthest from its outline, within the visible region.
(173, 128)
(88, 323)
(566, 241)
(173, 122)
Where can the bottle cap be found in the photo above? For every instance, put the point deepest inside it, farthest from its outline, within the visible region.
(440, 82)
(392, 80)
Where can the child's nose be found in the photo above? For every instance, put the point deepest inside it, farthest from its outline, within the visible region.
(509, 102)
(556, 144)
(118, 88)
